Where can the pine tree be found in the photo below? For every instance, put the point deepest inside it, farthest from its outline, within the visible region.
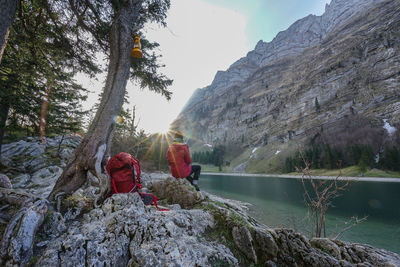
(289, 165)
(218, 155)
(316, 154)
(112, 25)
(327, 157)
(336, 158)
(317, 106)
(7, 12)
(390, 159)
(40, 63)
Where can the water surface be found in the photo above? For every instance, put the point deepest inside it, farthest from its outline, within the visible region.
(279, 202)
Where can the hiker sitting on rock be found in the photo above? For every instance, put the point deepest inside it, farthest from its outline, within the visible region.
(179, 160)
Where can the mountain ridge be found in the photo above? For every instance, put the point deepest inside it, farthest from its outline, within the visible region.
(346, 60)
(260, 56)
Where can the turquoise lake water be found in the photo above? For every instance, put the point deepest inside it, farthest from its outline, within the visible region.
(278, 202)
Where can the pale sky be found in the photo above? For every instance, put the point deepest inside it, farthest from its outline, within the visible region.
(202, 37)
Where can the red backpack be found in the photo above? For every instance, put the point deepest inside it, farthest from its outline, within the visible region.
(124, 171)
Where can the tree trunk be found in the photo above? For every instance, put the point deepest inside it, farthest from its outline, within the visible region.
(43, 113)
(133, 127)
(91, 155)
(7, 12)
(4, 109)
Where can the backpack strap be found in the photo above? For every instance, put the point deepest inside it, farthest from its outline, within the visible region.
(142, 195)
(136, 168)
(113, 184)
(137, 185)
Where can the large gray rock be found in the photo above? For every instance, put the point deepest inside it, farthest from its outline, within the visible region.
(5, 181)
(21, 180)
(362, 254)
(327, 245)
(43, 180)
(36, 167)
(23, 155)
(16, 246)
(296, 249)
(243, 240)
(124, 230)
(54, 225)
(177, 191)
(22, 148)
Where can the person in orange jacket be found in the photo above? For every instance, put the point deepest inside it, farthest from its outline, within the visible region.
(179, 160)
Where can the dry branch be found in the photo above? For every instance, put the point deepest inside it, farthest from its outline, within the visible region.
(354, 221)
(321, 196)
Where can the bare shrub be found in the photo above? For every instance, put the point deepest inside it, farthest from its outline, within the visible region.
(318, 196)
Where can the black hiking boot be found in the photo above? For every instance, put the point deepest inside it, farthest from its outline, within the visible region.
(197, 187)
(190, 179)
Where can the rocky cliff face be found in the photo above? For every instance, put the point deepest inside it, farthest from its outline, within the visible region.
(347, 61)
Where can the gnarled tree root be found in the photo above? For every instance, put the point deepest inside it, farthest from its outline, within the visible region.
(16, 197)
(16, 246)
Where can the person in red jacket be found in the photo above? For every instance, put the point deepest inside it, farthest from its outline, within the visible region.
(179, 160)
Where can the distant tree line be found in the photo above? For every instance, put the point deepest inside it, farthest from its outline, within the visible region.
(327, 157)
(354, 140)
(215, 157)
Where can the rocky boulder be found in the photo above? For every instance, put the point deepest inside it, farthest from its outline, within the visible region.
(35, 167)
(124, 231)
(5, 181)
(177, 191)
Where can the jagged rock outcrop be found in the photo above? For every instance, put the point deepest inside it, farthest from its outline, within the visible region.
(124, 231)
(346, 60)
(16, 246)
(33, 169)
(36, 167)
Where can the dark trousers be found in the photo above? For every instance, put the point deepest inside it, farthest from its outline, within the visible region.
(196, 169)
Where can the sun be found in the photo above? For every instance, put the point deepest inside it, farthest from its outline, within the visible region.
(159, 126)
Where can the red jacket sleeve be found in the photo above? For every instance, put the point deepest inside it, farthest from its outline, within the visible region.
(169, 156)
(188, 159)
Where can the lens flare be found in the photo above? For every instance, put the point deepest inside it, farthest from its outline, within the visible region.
(118, 119)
